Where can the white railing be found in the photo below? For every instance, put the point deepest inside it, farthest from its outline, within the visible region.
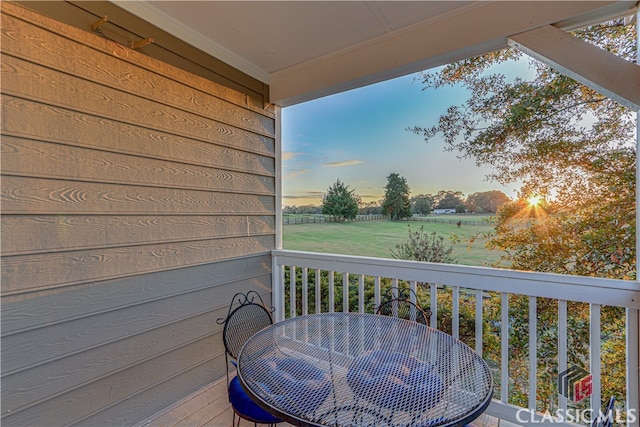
(465, 284)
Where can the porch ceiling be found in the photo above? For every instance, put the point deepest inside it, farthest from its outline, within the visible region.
(309, 49)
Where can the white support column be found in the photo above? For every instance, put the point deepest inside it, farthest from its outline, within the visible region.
(278, 203)
(277, 272)
(633, 377)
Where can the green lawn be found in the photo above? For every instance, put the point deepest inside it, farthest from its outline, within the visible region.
(378, 238)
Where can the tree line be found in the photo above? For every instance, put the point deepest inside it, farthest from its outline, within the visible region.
(342, 203)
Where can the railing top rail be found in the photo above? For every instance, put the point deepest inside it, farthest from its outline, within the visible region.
(548, 285)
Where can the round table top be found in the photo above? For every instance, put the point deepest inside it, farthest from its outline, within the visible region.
(345, 369)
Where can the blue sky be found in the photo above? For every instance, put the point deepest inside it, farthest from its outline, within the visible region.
(360, 137)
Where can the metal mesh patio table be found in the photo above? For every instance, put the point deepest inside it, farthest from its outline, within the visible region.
(350, 369)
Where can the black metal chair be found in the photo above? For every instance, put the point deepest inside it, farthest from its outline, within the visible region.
(606, 418)
(245, 317)
(397, 302)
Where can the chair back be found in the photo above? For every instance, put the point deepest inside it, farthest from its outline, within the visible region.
(400, 303)
(605, 419)
(247, 316)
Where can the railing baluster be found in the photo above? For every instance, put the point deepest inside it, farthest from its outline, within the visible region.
(305, 291)
(594, 345)
(292, 291)
(455, 311)
(504, 347)
(345, 292)
(413, 285)
(318, 292)
(332, 292)
(562, 347)
(479, 321)
(278, 294)
(413, 298)
(533, 351)
(394, 294)
(632, 344)
(361, 293)
(376, 292)
(433, 290)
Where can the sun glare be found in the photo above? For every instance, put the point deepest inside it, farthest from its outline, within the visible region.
(533, 201)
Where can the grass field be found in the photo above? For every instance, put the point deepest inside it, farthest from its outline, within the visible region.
(378, 238)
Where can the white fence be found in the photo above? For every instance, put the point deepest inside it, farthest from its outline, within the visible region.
(477, 284)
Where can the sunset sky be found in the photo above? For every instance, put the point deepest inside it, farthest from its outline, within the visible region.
(360, 137)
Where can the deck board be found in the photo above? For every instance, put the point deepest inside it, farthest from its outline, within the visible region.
(206, 407)
(209, 407)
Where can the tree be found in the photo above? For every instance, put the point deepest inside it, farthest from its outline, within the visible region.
(340, 202)
(396, 201)
(449, 199)
(576, 149)
(306, 209)
(421, 204)
(559, 138)
(424, 247)
(371, 208)
(486, 202)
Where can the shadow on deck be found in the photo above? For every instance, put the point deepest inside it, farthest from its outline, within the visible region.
(209, 407)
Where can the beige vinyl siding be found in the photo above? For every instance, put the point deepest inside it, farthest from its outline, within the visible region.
(126, 28)
(137, 199)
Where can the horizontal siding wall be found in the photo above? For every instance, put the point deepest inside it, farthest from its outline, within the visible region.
(137, 199)
(126, 28)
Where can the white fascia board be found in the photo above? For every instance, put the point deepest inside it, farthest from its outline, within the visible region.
(603, 71)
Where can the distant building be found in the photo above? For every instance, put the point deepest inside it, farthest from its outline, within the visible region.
(443, 211)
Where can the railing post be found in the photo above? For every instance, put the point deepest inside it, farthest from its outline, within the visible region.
(277, 291)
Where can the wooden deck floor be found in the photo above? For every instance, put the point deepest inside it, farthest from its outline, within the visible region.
(209, 407)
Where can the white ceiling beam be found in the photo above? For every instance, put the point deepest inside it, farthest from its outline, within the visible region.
(602, 71)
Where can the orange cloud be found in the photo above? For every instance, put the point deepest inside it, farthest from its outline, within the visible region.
(345, 163)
